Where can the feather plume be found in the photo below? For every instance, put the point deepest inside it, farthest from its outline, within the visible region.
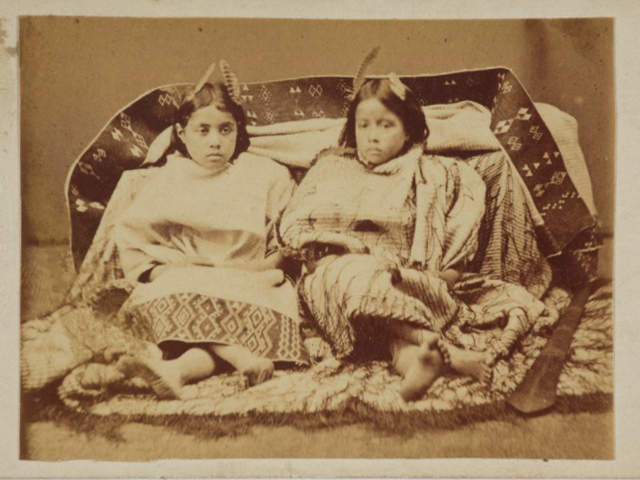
(231, 82)
(359, 79)
(205, 77)
(399, 88)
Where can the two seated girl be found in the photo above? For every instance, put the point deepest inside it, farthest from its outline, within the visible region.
(383, 230)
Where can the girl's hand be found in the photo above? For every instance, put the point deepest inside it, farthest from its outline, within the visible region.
(160, 270)
(275, 277)
(270, 263)
(157, 271)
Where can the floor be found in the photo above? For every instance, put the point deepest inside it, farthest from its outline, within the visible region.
(550, 436)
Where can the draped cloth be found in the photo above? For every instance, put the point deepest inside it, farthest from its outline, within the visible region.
(211, 224)
(400, 224)
(85, 328)
(189, 214)
(97, 323)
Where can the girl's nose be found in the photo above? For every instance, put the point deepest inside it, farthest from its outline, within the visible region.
(214, 139)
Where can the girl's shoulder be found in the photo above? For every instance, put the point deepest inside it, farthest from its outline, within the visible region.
(144, 173)
(445, 162)
(335, 153)
(445, 167)
(262, 168)
(147, 176)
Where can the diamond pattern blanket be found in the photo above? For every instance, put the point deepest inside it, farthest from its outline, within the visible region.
(515, 121)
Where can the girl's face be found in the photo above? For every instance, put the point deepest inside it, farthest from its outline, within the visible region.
(380, 134)
(210, 136)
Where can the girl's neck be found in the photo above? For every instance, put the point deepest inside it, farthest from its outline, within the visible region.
(195, 169)
(412, 150)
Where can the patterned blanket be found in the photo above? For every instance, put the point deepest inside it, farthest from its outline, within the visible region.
(333, 386)
(97, 388)
(80, 342)
(515, 121)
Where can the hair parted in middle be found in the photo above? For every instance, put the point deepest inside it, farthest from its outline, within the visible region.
(408, 110)
(216, 94)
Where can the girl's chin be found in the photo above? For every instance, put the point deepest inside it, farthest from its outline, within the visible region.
(375, 160)
(372, 159)
(213, 163)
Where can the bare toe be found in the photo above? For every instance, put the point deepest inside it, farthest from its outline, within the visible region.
(258, 371)
(478, 365)
(162, 381)
(264, 375)
(486, 377)
(426, 368)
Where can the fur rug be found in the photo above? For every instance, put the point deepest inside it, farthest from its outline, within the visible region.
(334, 387)
(324, 394)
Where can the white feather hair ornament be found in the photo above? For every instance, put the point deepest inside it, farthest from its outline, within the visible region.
(205, 77)
(399, 88)
(359, 79)
(231, 82)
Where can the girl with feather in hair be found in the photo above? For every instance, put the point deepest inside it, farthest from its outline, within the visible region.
(386, 231)
(206, 269)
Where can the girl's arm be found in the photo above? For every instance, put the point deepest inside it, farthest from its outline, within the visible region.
(272, 261)
(161, 268)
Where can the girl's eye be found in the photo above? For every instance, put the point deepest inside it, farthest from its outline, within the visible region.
(226, 130)
(203, 131)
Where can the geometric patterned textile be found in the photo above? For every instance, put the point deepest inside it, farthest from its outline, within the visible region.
(124, 141)
(196, 318)
(93, 384)
(334, 386)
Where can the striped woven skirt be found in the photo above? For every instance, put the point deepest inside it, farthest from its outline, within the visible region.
(351, 300)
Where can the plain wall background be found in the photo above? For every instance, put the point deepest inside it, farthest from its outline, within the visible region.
(76, 73)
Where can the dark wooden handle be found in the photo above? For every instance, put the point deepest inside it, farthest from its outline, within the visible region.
(537, 391)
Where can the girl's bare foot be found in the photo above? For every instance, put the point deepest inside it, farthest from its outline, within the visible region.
(478, 365)
(162, 377)
(256, 370)
(423, 371)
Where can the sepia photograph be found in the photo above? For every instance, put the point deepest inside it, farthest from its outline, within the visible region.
(316, 239)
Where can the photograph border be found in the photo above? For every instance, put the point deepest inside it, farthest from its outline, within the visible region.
(627, 333)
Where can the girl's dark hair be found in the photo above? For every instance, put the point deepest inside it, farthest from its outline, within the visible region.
(210, 94)
(408, 110)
